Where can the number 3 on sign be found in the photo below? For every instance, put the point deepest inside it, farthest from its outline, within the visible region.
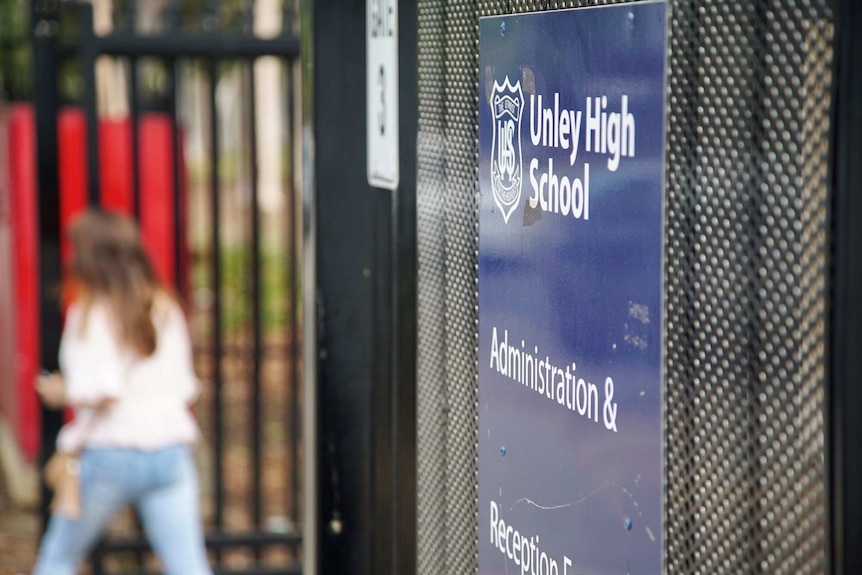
(381, 91)
(381, 115)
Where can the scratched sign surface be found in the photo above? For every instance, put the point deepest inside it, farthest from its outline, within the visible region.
(571, 171)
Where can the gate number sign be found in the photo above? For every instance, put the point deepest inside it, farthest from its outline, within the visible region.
(381, 86)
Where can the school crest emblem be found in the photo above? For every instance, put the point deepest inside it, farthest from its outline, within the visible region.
(507, 107)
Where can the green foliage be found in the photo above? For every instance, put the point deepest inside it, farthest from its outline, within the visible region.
(229, 12)
(237, 290)
(15, 72)
(15, 18)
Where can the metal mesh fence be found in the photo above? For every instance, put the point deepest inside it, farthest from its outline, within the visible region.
(746, 244)
(431, 357)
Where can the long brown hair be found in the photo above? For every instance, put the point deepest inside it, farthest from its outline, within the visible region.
(109, 264)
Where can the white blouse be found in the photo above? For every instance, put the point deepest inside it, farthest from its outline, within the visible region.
(152, 395)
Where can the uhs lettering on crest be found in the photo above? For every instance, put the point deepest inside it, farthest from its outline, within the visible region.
(507, 106)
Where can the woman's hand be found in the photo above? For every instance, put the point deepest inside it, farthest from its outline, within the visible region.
(52, 390)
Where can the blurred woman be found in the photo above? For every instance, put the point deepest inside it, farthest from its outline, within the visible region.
(126, 369)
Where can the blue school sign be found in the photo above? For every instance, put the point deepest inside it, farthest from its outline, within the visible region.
(571, 172)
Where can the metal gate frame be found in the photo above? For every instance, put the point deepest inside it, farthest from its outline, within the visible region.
(212, 46)
(361, 246)
(447, 511)
(845, 402)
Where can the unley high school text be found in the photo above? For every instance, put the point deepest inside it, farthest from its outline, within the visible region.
(609, 133)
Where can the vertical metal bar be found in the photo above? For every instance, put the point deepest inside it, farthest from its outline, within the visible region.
(292, 286)
(405, 303)
(134, 118)
(88, 53)
(5, 92)
(44, 22)
(845, 393)
(178, 196)
(287, 17)
(210, 24)
(256, 295)
(171, 22)
(217, 351)
(256, 419)
(311, 503)
(98, 561)
(384, 491)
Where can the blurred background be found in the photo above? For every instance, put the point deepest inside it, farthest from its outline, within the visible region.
(182, 114)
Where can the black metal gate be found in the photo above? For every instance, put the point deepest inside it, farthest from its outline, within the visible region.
(235, 258)
(761, 457)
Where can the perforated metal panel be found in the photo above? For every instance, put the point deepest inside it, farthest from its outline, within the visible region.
(432, 289)
(745, 283)
(448, 171)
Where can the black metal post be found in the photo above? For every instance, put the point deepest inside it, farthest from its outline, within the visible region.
(257, 295)
(178, 196)
(218, 419)
(219, 46)
(252, 538)
(256, 398)
(134, 118)
(293, 353)
(383, 481)
(88, 53)
(405, 301)
(366, 269)
(180, 215)
(845, 403)
(350, 278)
(44, 24)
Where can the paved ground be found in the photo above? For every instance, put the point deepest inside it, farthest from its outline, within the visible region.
(19, 529)
(19, 534)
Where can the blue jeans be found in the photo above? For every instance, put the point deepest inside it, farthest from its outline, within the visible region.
(162, 485)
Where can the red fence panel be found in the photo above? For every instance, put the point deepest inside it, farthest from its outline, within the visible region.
(157, 193)
(115, 165)
(19, 288)
(72, 163)
(8, 315)
(19, 265)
